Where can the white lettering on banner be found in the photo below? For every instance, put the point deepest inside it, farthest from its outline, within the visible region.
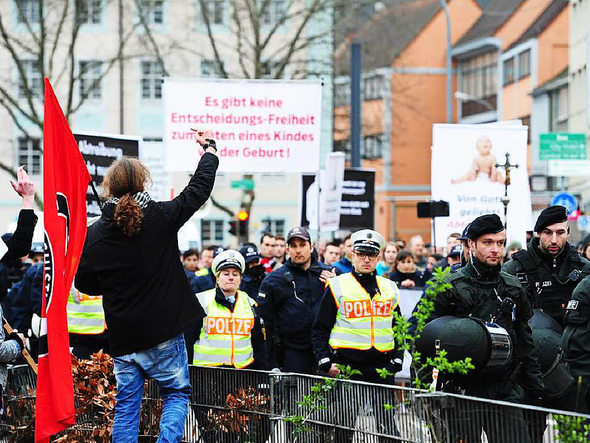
(273, 127)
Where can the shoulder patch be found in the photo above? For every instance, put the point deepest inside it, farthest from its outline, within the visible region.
(202, 272)
(261, 295)
(572, 305)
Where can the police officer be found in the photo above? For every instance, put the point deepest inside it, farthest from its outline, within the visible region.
(254, 273)
(230, 334)
(86, 324)
(576, 342)
(288, 300)
(481, 290)
(354, 326)
(550, 268)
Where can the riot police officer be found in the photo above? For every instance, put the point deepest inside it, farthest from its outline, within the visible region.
(550, 268)
(288, 302)
(481, 290)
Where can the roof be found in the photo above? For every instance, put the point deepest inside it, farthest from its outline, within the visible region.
(544, 20)
(386, 34)
(492, 18)
(553, 83)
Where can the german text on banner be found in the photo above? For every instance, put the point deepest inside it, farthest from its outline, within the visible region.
(65, 181)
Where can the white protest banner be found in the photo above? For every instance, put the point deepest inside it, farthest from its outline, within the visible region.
(331, 192)
(465, 175)
(259, 126)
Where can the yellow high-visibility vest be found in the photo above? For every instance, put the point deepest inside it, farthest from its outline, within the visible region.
(226, 336)
(85, 313)
(363, 322)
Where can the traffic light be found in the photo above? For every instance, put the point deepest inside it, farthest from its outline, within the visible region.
(243, 217)
(232, 227)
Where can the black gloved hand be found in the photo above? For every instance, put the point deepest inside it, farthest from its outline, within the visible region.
(15, 336)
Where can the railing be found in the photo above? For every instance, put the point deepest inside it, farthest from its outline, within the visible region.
(230, 405)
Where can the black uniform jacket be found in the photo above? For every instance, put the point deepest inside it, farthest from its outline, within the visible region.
(146, 295)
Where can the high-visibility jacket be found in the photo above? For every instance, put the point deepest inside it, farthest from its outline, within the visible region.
(85, 313)
(226, 336)
(363, 322)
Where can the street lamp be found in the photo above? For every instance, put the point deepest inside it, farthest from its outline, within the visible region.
(459, 95)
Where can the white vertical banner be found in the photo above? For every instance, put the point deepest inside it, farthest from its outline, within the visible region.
(587, 78)
(331, 179)
(464, 173)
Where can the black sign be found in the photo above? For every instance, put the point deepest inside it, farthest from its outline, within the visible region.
(98, 153)
(357, 209)
(308, 201)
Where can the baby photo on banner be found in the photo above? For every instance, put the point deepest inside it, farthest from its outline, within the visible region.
(467, 172)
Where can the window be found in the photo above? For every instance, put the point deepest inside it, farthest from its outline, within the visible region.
(478, 75)
(210, 68)
(372, 87)
(28, 11)
(215, 10)
(33, 77)
(29, 154)
(151, 80)
(341, 94)
(371, 147)
(90, 76)
(274, 225)
(274, 11)
(152, 11)
(524, 63)
(509, 71)
(88, 11)
(211, 230)
(559, 109)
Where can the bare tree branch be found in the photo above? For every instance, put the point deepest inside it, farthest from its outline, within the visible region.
(205, 15)
(58, 33)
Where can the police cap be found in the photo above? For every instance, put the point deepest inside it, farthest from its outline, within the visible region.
(228, 259)
(455, 251)
(250, 253)
(484, 224)
(550, 215)
(367, 240)
(465, 231)
(298, 232)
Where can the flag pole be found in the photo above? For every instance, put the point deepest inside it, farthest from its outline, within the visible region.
(95, 194)
(24, 351)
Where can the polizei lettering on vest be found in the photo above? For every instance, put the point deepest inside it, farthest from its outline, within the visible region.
(229, 326)
(367, 308)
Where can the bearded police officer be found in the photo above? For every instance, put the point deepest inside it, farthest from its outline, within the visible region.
(354, 325)
(481, 290)
(550, 268)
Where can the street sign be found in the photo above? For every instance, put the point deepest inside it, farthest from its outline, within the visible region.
(565, 199)
(562, 146)
(246, 184)
(584, 223)
(568, 168)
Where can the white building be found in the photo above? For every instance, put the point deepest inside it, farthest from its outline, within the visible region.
(118, 61)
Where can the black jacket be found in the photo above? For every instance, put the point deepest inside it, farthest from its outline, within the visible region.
(548, 281)
(288, 301)
(325, 320)
(146, 295)
(419, 277)
(19, 244)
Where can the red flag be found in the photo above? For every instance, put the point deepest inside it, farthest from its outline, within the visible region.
(65, 182)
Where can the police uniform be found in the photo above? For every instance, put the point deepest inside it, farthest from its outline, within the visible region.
(549, 281)
(253, 275)
(491, 295)
(203, 281)
(575, 342)
(354, 327)
(86, 324)
(288, 302)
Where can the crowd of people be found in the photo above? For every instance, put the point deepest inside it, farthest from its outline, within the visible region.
(297, 304)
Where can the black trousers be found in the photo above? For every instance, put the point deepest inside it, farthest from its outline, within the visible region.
(299, 361)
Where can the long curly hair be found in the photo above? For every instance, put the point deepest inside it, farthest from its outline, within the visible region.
(124, 178)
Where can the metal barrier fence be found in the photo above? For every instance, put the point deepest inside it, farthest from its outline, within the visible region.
(229, 405)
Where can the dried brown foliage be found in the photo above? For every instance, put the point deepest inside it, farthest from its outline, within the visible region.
(237, 417)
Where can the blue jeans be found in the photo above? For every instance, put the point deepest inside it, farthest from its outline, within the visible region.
(167, 364)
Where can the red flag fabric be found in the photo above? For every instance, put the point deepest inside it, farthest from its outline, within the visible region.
(65, 182)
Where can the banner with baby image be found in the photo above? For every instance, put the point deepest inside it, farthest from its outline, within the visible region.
(465, 173)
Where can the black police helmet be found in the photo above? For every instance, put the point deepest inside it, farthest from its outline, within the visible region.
(547, 346)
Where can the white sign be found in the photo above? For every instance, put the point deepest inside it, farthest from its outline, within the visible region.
(568, 168)
(331, 192)
(464, 174)
(152, 155)
(259, 126)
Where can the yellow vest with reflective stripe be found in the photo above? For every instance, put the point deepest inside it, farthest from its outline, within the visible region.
(85, 313)
(226, 336)
(363, 322)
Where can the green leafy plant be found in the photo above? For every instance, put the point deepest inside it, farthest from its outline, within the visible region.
(570, 429)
